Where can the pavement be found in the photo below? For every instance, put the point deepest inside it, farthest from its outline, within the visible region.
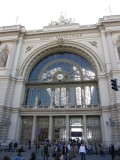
(39, 155)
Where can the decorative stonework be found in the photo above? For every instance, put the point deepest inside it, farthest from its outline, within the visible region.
(116, 39)
(4, 55)
(93, 43)
(61, 21)
(28, 48)
(60, 41)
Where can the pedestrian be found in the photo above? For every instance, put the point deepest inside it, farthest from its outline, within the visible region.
(6, 158)
(96, 148)
(64, 151)
(46, 153)
(82, 151)
(102, 151)
(112, 151)
(10, 146)
(33, 156)
(19, 155)
(72, 153)
(29, 144)
(15, 146)
(59, 156)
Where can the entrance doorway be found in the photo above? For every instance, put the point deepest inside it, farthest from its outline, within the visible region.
(76, 133)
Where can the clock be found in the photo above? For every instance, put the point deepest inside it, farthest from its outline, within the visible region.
(60, 76)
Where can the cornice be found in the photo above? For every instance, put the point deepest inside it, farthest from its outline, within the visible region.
(65, 32)
(65, 111)
(16, 29)
(64, 29)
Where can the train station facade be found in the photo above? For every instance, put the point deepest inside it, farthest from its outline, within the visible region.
(55, 82)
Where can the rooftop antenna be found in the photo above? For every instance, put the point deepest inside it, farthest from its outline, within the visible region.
(16, 20)
(110, 8)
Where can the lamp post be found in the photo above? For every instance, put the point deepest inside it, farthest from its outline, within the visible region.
(111, 124)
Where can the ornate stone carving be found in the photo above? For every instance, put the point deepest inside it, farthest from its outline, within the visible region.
(4, 55)
(28, 48)
(60, 41)
(61, 21)
(94, 43)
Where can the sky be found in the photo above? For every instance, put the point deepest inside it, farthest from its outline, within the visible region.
(35, 14)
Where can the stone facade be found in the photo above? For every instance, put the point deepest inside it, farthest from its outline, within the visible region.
(21, 50)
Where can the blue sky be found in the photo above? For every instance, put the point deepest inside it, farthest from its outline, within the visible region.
(35, 14)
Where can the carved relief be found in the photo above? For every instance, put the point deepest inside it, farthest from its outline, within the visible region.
(4, 55)
(28, 48)
(60, 41)
(61, 21)
(116, 40)
(93, 43)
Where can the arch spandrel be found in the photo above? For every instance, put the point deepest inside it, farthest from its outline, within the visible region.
(39, 52)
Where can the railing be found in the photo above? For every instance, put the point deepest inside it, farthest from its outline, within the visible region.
(61, 107)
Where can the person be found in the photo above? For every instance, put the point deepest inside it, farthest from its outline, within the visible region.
(15, 146)
(29, 144)
(96, 148)
(64, 151)
(33, 156)
(46, 153)
(72, 153)
(59, 156)
(82, 151)
(102, 151)
(19, 155)
(112, 151)
(6, 158)
(10, 146)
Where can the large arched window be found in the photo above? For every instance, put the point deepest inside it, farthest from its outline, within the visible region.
(62, 79)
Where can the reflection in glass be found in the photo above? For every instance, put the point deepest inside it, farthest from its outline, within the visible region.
(63, 96)
(26, 130)
(93, 129)
(72, 65)
(71, 78)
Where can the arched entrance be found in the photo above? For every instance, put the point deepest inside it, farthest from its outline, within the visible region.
(63, 80)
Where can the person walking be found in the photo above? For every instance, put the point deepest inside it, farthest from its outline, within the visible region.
(15, 146)
(64, 151)
(33, 156)
(29, 144)
(112, 151)
(19, 155)
(72, 153)
(46, 153)
(82, 151)
(59, 156)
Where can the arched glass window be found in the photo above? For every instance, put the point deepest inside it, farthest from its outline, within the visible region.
(63, 79)
(63, 65)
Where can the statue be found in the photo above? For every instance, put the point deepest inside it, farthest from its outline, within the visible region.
(61, 21)
(4, 56)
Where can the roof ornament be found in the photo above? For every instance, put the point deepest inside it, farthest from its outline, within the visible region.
(61, 21)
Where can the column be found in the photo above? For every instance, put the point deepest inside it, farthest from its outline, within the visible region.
(33, 129)
(67, 128)
(50, 136)
(67, 98)
(84, 128)
(17, 56)
(106, 51)
(111, 50)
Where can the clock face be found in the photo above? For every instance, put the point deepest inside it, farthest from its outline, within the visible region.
(60, 76)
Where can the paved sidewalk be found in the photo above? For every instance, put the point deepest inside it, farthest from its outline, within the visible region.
(88, 157)
(27, 154)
